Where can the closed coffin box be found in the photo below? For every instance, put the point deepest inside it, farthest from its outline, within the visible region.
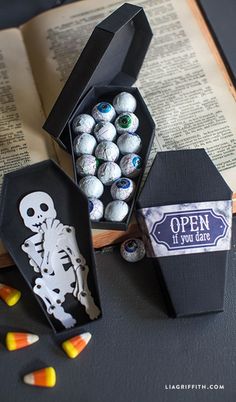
(185, 213)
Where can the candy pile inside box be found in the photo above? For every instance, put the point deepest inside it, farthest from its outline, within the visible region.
(106, 146)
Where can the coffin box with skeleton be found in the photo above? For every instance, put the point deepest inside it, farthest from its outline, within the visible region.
(185, 214)
(109, 64)
(45, 226)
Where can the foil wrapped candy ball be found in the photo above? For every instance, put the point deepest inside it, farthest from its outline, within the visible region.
(132, 250)
(107, 151)
(83, 123)
(103, 111)
(123, 189)
(124, 102)
(126, 122)
(131, 165)
(116, 211)
(91, 186)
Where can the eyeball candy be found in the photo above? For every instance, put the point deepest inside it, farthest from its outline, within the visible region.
(116, 211)
(95, 209)
(86, 165)
(132, 250)
(108, 172)
(131, 165)
(129, 143)
(84, 144)
(103, 111)
(107, 151)
(122, 189)
(91, 186)
(83, 123)
(104, 131)
(126, 122)
(124, 102)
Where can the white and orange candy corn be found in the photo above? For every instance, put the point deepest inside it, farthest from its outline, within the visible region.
(19, 340)
(45, 377)
(9, 294)
(74, 346)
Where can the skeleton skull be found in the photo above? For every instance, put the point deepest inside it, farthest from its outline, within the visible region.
(35, 208)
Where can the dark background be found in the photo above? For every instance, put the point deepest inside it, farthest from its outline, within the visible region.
(136, 349)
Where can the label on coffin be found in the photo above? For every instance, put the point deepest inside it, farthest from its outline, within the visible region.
(187, 228)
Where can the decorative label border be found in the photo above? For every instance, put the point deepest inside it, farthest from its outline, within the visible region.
(187, 228)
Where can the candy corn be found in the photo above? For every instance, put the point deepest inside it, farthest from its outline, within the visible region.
(74, 346)
(9, 295)
(19, 340)
(46, 377)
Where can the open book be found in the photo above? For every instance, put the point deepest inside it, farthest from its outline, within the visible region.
(181, 81)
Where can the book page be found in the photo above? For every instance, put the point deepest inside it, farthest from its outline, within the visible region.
(22, 140)
(180, 79)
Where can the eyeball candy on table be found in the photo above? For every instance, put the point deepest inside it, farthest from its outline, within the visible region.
(96, 209)
(83, 123)
(124, 102)
(104, 131)
(129, 143)
(116, 211)
(103, 111)
(126, 122)
(132, 250)
(122, 189)
(86, 165)
(131, 165)
(91, 186)
(84, 144)
(108, 172)
(107, 151)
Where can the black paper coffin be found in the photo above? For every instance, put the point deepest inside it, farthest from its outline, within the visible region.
(44, 224)
(108, 65)
(185, 212)
(112, 56)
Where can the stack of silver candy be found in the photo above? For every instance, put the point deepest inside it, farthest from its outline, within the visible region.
(101, 139)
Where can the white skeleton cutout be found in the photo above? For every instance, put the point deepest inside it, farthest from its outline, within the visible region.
(51, 250)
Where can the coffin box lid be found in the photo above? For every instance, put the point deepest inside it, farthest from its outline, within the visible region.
(192, 283)
(113, 55)
(183, 176)
(71, 208)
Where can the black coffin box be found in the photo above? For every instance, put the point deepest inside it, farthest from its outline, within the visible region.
(44, 224)
(109, 64)
(185, 214)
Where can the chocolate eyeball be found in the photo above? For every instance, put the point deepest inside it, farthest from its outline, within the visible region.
(84, 144)
(116, 211)
(107, 151)
(91, 186)
(104, 131)
(103, 111)
(132, 250)
(123, 189)
(108, 172)
(96, 209)
(126, 122)
(129, 143)
(86, 165)
(83, 123)
(131, 165)
(124, 102)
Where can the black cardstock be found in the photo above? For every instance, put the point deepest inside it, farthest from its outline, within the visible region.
(192, 283)
(72, 209)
